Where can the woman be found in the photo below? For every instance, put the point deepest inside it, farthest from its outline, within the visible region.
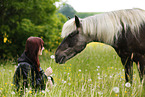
(29, 74)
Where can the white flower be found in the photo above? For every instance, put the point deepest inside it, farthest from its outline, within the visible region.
(47, 90)
(80, 70)
(100, 93)
(52, 56)
(43, 91)
(98, 73)
(12, 92)
(116, 89)
(99, 77)
(127, 84)
(98, 66)
(64, 82)
(89, 79)
(69, 84)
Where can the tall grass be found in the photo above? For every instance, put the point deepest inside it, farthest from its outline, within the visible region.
(95, 72)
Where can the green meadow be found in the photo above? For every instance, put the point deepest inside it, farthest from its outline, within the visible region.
(95, 72)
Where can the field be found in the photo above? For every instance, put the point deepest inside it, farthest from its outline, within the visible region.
(95, 72)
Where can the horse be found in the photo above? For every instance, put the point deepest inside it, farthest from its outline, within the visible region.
(124, 30)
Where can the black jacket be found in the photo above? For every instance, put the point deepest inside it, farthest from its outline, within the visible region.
(27, 75)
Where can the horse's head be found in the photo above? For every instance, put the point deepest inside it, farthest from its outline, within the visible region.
(71, 45)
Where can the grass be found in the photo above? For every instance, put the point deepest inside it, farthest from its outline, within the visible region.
(95, 72)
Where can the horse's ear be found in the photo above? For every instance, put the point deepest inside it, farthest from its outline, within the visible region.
(77, 21)
(69, 18)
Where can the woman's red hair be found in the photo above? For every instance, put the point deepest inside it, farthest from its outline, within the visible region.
(32, 47)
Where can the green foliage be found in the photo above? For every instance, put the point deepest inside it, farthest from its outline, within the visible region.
(67, 10)
(20, 19)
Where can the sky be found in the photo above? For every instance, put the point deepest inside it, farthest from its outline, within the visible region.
(104, 5)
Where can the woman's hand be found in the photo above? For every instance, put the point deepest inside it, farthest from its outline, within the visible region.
(48, 71)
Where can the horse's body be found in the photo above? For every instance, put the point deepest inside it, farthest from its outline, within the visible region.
(124, 30)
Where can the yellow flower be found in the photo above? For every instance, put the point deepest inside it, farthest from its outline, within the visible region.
(5, 83)
(30, 91)
(12, 84)
(125, 91)
(5, 39)
(116, 95)
(121, 76)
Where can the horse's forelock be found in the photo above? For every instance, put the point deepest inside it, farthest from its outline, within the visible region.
(68, 27)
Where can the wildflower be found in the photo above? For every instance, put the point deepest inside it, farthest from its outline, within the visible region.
(47, 90)
(5, 83)
(116, 89)
(30, 92)
(98, 66)
(100, 93)
(125, 91)
(79, 70)
(52, 56)
(64, 82)
(5, 39)
(12, 92)
(116, 95)
(89, 79)
(43, 91)
(69, 84)
(128, 84)
(12, 84)
(99, 77)
(98, 73)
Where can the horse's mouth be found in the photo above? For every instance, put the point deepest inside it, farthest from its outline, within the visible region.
(62, 60)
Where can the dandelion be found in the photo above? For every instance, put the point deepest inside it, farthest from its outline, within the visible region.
(5, 83)
(12, 92)
(69, 84)
(116, 89)
(52, 56)
(128, 84)
(30, 92)
(100, 93)
(125, 91)
(79, 70)
(116, 95)
(43, 91)
(47, 90)
(89, 79)
(99, 78)
(64, 82)
(12, 84)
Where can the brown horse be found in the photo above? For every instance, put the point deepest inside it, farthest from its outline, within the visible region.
(124, 30)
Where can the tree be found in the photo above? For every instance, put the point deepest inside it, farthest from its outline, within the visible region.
(67, 10)
(20, 19)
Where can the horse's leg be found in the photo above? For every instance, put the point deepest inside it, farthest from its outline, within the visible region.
(140, 62)
(128, 65)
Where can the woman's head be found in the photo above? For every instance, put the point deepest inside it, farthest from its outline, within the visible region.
(33, 48)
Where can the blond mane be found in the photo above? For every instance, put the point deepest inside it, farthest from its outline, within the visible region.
(108, 25)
